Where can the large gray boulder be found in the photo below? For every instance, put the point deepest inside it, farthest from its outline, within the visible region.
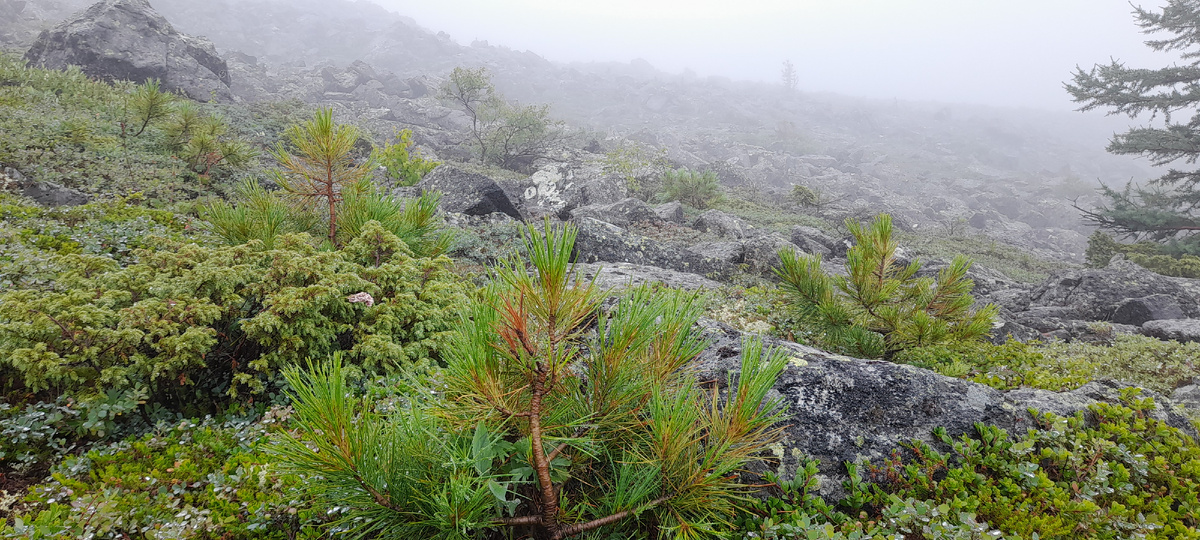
(721, 224)
(620, 213)
(599, 241)
(842, 409)
(128, 40)
(1156, 307)
(469, 193)
(815, 241)
(1176, 329)
(1095, 294)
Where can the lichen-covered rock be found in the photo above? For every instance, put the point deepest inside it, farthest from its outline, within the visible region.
(620, 213)
(842, 409)
(814, 241)
(624, 275)
(128, 40)
(1095, 294)
(762, 252)
(721, 224)
(729, 252)
(672, 212)
(599, 241)
(468, 193)
(43, 193)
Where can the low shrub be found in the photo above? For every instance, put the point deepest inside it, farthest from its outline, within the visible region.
(696, 189)
(187, 323)
(1121, 474)
(1161, 366)
(186, 480)
(1004, 367)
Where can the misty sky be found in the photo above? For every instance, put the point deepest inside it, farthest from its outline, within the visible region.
(1009, 52)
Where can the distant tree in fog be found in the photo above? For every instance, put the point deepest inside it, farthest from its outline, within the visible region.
(1166, 209)
(789, 77)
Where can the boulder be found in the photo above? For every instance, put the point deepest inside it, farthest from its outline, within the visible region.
(624, 275)
(814, 241)
(842, 409)
(127, 40)
(730, 252)
(559, 188)
(1176, 329)
(1188, 395)
(620, 213)
(1137, 311)
(43, 193)
(468, 193)
(599, 241)
(721, 224)
(762, 252)
(672, 212)
(1095, 294)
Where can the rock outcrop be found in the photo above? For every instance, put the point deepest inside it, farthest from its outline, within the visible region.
(599, 241)
(43, 193)
(843, 409)
(469, 193)
(128, 40)
(1095, 294)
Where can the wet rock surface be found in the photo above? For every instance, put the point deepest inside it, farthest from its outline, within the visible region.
(129, 40)
(842, 409)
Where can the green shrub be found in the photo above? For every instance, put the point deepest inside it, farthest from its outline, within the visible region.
(1012, 261)
(1151, 363)
(640, 166)
(189, 479)
(31, 236)
(187, 322)
(265, 216)
(403, 167)
(1154, 257)
(695, 189)
(55, 124)
(540, 428)
(804, 195)
(882, 308)
(1004, 367)
(1121, 475)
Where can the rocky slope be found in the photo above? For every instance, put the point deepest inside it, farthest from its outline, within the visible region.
(1011, 175)
(841, 409)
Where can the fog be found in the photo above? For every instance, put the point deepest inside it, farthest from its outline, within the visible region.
(1013, 53)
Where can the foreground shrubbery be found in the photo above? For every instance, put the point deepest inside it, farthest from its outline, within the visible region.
(184, 479)
(1121, 474)
(538, 427)
(187, 321)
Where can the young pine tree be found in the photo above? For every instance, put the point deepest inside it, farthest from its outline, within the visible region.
(322, 167)
(882, 307)
(552, 419)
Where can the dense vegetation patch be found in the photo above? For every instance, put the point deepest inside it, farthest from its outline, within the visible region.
(1114, 472)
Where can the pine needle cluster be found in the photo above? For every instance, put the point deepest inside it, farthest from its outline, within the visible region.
(552, 419)
(881, 306)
